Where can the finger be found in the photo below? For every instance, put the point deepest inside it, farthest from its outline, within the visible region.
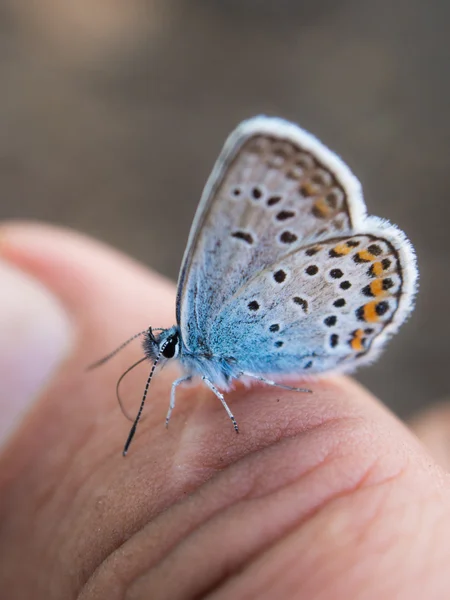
(331, 498)
(310, 491)
(73, 427)
(432, 427)
(35, 337)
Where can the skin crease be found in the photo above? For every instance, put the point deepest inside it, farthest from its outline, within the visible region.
(320, 496)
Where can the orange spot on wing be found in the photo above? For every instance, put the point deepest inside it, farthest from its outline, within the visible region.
(308, 189)
(377, 268)
(357, 341)
(370, 313)
(366, 255)
(342, 249)
(322, 207)
(376, 287)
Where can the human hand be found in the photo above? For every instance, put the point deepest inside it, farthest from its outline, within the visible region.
(320, 496)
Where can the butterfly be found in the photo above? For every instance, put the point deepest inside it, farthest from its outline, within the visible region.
(284, 274)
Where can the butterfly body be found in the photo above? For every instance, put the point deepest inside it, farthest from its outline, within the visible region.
(218, 369)
(284, 274)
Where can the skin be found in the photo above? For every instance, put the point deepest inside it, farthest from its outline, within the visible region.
(320, 496)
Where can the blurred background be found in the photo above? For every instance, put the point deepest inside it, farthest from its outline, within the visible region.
(112, 114)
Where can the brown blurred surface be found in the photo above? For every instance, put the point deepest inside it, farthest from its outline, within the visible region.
(111, 119)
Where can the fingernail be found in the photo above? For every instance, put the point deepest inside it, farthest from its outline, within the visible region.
(35, 336)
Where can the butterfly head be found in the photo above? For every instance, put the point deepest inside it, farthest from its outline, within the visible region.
(165, 345)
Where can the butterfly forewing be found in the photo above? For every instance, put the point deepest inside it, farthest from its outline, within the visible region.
(269, 193)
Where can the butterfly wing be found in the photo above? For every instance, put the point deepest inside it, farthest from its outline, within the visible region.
(273, 188)
(329, 305)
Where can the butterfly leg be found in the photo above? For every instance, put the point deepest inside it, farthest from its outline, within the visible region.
(280, 385)
(175, 384)
(224, 404)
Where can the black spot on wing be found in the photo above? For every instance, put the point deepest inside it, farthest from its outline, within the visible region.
(244, 236)
(301, 302)
(330, 321)
(283, 215)
(287, 237)
(273, 200)
(256, 193)
(339, 303)
(279, 276)
(312, 270)
(334, 340)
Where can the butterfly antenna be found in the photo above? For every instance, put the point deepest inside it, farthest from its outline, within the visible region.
(119, 399)
(105, 359)
(141, 408)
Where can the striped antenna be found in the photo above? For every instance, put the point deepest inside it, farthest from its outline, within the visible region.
(141, 408)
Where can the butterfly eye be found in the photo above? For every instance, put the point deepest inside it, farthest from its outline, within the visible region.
(171, 347)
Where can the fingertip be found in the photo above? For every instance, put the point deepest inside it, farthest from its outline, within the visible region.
(36, 336)
(107, 298)
(90, 277)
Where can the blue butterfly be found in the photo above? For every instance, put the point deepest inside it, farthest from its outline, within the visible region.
(284, 274)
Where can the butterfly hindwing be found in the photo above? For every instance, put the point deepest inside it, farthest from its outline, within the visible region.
(273, 188)
(325, 306)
